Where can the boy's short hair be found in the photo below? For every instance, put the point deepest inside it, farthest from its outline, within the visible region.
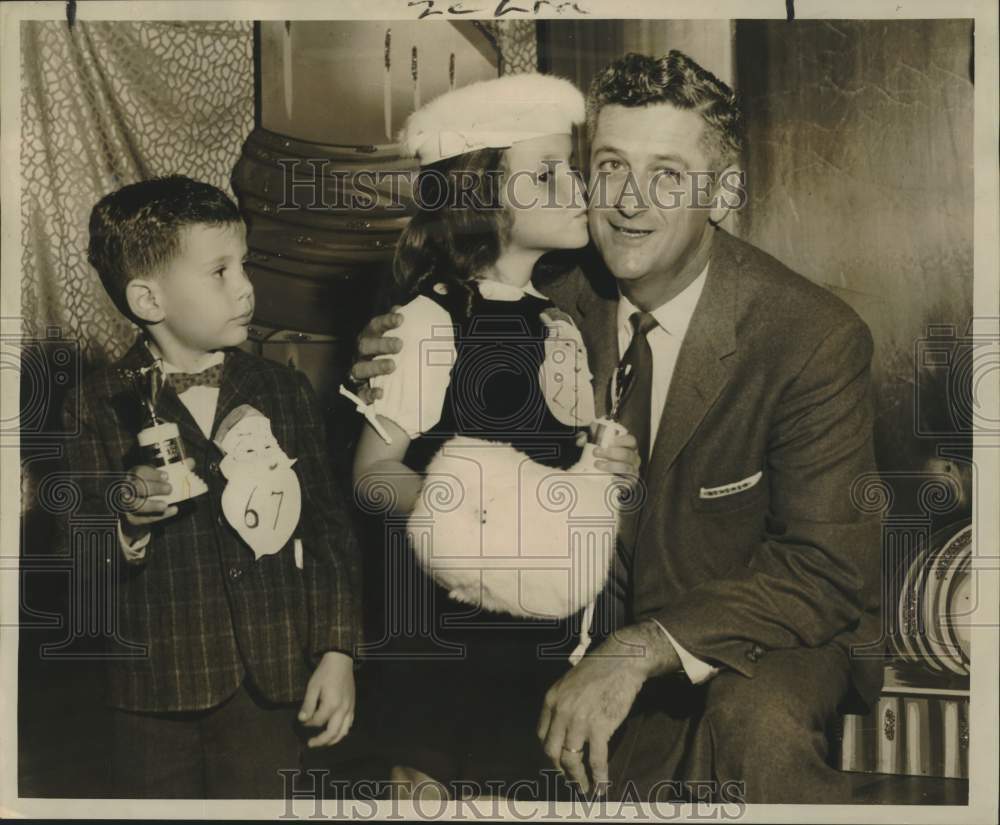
(136, 229)
(641, 80)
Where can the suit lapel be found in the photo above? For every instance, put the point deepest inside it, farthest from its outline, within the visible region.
(597, 307)
(239, 377)
(602, 347)
(169, 407)
(701, 371)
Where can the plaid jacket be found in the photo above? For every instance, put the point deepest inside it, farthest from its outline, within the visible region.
(205, 611)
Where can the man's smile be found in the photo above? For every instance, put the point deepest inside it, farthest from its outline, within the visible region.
(630, 233)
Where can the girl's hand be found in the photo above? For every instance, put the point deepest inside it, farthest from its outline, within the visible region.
(619, 456)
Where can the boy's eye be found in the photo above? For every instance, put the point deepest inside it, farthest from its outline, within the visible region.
(543, 177)
(610, 165)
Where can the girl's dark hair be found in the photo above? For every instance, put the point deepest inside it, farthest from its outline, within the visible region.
(458, 230)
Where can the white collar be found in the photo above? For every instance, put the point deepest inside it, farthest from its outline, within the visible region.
(209, 359)
(674, 316)
(494, 290)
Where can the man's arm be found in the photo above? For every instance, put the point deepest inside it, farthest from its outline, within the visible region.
(586, 706)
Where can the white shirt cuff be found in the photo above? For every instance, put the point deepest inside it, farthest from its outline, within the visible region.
(134, 551)
(697, 671)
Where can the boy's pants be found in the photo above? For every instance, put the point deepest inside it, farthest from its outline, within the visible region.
(232, 751)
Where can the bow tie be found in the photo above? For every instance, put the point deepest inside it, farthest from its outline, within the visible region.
(183, 381)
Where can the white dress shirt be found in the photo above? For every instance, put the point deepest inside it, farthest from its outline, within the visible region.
(201, 403)
(673, 319)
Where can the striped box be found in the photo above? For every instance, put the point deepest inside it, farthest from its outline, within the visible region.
(908, 734)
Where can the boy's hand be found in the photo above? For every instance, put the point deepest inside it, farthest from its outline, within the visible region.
(371, 343)
(147, 508)
(329, 700)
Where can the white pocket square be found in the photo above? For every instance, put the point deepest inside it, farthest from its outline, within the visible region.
(729, 489)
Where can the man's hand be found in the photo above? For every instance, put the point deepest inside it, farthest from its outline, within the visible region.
(373, 342)
(587, 705)
(329, 700)
(147, 509)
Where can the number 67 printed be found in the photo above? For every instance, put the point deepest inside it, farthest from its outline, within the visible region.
(263, 507)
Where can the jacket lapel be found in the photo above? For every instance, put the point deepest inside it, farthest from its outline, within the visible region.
(239, 376)
(597, 306)
(169, 407)
(602, 346)
(701, 371)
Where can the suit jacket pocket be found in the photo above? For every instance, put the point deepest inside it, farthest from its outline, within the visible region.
(736, 495)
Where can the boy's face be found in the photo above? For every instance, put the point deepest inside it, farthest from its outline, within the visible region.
(204, 294)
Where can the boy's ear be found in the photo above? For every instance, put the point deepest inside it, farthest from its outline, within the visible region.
(143, 299)
(730, 193)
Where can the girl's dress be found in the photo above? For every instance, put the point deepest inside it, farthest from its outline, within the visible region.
(464, 687)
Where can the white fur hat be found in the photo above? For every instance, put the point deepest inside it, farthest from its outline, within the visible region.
(492, 114)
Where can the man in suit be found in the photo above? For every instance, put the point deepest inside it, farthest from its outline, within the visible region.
(749, 576)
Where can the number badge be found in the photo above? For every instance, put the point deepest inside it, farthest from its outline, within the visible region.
(262, 500)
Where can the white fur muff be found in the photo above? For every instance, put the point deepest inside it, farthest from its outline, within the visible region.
(504, 532)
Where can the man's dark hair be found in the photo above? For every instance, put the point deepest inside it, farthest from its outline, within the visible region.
(641, 80)
(459, 228)
(136, 229)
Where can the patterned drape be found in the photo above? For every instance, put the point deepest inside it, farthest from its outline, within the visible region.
(105, 104)
(518, 44)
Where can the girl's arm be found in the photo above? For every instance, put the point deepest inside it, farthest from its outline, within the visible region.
(382, 482)
(412, 399)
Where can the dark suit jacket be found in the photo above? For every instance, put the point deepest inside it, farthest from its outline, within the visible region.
(773, 376)
(207, 613)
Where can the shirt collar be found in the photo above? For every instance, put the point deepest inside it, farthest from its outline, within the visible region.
(493, 290)
(675, 315)
(210, 359)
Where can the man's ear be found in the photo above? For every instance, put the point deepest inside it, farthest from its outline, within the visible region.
(143, 299)
(730, 193)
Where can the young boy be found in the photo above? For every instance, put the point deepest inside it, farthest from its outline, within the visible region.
(243, 644)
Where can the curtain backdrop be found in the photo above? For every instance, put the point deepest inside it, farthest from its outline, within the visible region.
(103, 105)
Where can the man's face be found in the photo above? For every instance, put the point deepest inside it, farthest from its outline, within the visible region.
(205, 296)
(642, 221)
